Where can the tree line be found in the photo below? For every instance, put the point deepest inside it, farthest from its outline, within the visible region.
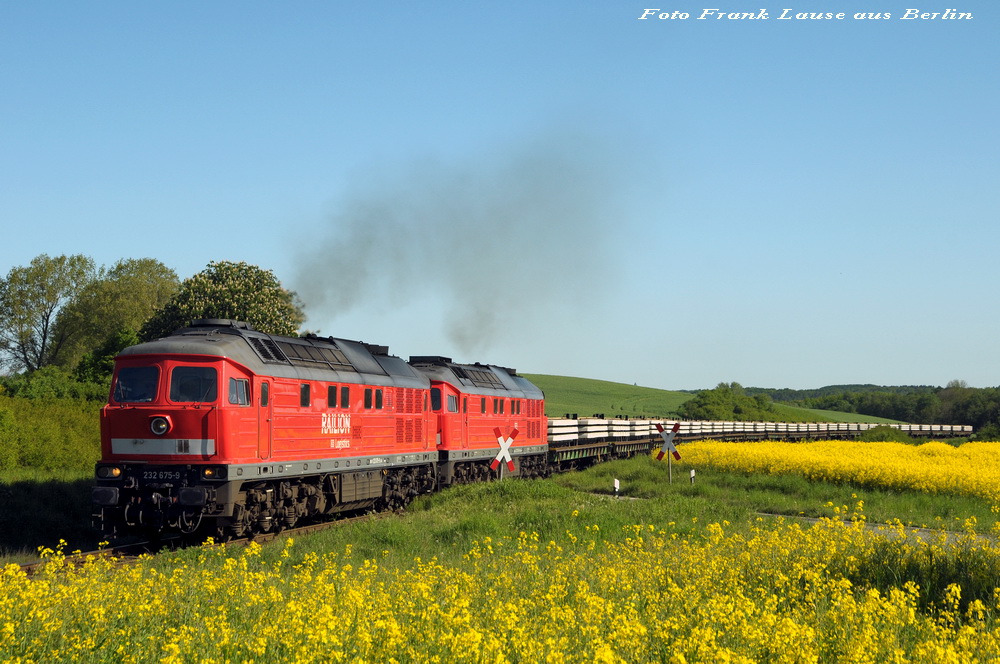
(63, 319)
(799, 396)
(956, 403)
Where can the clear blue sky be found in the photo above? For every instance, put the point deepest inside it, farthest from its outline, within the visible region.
(554, 186)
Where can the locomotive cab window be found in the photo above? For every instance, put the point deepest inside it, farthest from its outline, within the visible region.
(239, 391)
(452, 403)
(373, 398)
(136, 384)
(369, 394)
(305, 398)
(193, 384)
(435, 399)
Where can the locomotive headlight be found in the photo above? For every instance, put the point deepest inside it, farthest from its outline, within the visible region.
(109, 472)
(213, 472)
(159, 425)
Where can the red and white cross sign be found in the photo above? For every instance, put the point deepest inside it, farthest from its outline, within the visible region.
(504, 454)
(668, 441)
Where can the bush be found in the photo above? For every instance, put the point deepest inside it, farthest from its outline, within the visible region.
(8, 452)
(887, 434)
(52, 382)
(56, 434)
(729, 401)
(990, 432)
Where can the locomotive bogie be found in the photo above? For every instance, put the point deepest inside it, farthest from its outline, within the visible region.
(473, 465)
(150, 500)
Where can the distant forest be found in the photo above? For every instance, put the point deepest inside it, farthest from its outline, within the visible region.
(956, 403)
(798, 396)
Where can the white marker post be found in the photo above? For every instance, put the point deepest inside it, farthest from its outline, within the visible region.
(616, 487)
(692, 476)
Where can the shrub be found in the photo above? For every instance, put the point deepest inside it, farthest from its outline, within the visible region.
(8, 451)
(53, 382)
(55, 434)
(887, 434)
(990, 432)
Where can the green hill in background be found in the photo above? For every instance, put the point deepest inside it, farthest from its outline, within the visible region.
(798, 414)
(585, 396)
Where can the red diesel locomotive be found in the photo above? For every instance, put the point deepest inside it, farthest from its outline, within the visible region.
(228, 431)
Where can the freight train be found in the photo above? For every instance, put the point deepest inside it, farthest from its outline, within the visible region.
(220, 430)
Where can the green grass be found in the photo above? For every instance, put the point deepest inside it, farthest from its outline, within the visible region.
(816, 415)
(445, 525)
(787, 495)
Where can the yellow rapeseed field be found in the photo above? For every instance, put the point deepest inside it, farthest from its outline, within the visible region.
(780, 593)
(972, 469)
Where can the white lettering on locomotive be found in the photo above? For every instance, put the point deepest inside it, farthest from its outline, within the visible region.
(336, 424)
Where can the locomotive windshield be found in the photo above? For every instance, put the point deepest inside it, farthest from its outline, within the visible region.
(193, 384)
(136, 384)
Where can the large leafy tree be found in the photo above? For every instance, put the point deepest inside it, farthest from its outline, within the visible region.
(31, 298)
(238, 291)
(114, 307)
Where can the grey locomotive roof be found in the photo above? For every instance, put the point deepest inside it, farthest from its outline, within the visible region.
(477, 378)
(308, 358)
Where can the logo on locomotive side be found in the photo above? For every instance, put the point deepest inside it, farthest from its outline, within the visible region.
(336, 424)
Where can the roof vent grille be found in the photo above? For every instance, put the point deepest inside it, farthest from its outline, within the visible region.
(268, 350)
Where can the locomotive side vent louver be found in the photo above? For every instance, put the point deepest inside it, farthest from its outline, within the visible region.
(482, 377)
(308, 355)
(268, 350)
